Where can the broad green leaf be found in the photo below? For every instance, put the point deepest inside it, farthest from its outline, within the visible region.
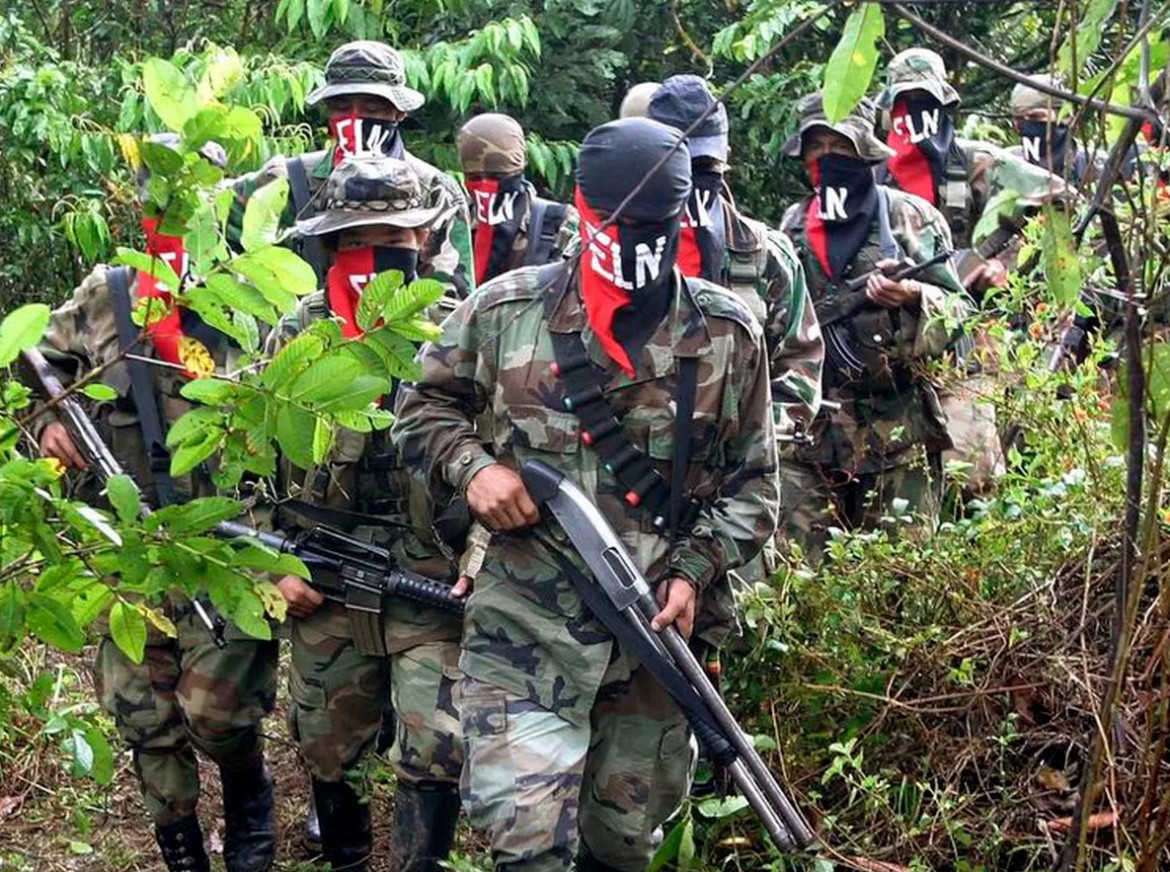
(686, 846)
(1002, 205)
(150, 265)
(78, 747)
(720, 807)
(294, 433)
(91, 601)
(291, 360)
(249, 616)
(412, 299)
(366, 420)
(262, 215)
(397, 353)
(53, 623)
(1157, 358)
(128, 630)
(190, 454)
(667, 852)
(201, 515)
(278, 274)
(209, 391)
(317, 10)
(374, 297)
(98, 391)
(850, 68)
(326, 379)
(203, 239)
(102, 769)
(322, 439)
(209, 123)
(1090, 29)
(233, 294)
(99, 522)
(1062, 268)
(224, 71)
(197, 423)
(22, 329)
(11, 615)
(255, 556)
(124, 497)
(170, 94)
(418, 330)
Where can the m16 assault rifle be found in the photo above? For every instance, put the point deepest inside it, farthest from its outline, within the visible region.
(359, 574)
(621, 598)
(847, 300)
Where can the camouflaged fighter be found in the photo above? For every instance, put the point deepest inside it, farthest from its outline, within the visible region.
(651, 390)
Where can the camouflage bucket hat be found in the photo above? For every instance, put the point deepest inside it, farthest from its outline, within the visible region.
(917, 69)
(857, 127)
(637, 100)
(367, 67)
(492, 144)
(368, 191)
(1026, 99)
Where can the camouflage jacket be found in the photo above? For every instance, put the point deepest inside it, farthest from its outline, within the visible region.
(563, 238)
(975, 175)
(488, 394)
(83, 335)
(889, 405)
(447, 256)
(761, 266)
(363, 474)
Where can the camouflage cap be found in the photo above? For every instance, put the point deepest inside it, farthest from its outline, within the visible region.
(680, 102)
(637, 100)
(492, 144)
(367, 67)
(857, 127)
(1026, 99)
(917, 69)
(365, 191)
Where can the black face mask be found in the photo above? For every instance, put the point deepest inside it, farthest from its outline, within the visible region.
(704, 236)
(649, 252)
(847, 200)
(1044, 144)
(926, 124)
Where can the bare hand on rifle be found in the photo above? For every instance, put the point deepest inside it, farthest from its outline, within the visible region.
(676, 598)
(989, 274)
(497, 496)
(301, 598)
(56, 442)
(890, 293)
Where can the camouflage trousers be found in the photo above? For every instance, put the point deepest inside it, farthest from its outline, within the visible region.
(977, 459)
(187, 694)
(814, 498)
(542, 787)
(338, 695)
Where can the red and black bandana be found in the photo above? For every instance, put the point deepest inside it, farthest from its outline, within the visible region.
(352, 270)
(166, 333)
(703, 240)
(840, 213)
(626, 270)
(357, 136)
(922, 133)
(499, 205)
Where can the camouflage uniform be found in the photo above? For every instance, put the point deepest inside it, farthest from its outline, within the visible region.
(187, 693)
(493, 145)
(566, 737)
(375, 69)
(339, 691)
(976, 172)
(872, 443)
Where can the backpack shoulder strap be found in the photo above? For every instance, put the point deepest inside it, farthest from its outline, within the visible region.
(142, 386)
(304, 207)
(544, 223)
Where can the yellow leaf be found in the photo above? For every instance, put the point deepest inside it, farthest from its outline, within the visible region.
(274, 602)
(56, 467)
(194, 355)
(129, 146)
(161, 622)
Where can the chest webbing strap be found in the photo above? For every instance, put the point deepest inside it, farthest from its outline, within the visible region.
(303, 206)
(647, 492)
(142, 387)
(544, 224)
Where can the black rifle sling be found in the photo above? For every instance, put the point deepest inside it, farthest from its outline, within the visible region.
(584, 396)
(716, 745)
(302, 197)
(544, 223)
(684, 422)
(142, 387)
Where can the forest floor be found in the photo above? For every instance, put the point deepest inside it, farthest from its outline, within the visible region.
(52, 821)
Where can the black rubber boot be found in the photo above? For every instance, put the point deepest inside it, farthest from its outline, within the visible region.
(424, 825)
(249, 841)
(346, 841)
(312, 836)
(586, 862)
(182, 846)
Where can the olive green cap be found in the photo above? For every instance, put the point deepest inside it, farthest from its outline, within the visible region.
(1025, 99)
